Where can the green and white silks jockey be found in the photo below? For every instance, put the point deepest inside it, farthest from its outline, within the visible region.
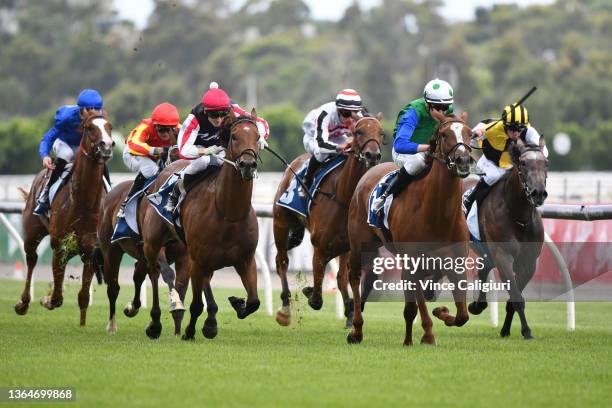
(414, 127)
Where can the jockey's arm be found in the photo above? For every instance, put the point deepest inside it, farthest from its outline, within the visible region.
(533, 137)
(403, 143)
(137, 143)
(322, 134)
(46, 143)
(187, 137)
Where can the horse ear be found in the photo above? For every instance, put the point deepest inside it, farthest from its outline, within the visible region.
(464, 116)
(542, 141)
(253, 114)
(379, 116)
(437, 115)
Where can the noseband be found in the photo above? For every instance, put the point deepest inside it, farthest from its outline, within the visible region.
(522, 177)
(247, 151)
(446, 157)
(96, 154)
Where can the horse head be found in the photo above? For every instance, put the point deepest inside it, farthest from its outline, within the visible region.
(532, 167)
(96, 141)
(451, 143)
(368, 136)
(242, 146)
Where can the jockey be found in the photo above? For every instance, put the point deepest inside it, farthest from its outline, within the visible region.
(495, 161)
(64, 138)
(327, 130)
(201, 138)
(146, 143)
(414, 127)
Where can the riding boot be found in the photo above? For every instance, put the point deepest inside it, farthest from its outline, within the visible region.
(398, 184)
(313, 166)
(136, 187)
(478, 194)
(60, 164)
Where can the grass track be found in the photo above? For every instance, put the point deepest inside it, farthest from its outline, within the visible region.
(254, 362)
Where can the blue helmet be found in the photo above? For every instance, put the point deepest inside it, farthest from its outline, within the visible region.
(90, 98)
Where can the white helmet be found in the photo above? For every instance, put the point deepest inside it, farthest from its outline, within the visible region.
(438, 91)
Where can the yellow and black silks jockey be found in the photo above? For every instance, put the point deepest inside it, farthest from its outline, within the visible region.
(494, 138)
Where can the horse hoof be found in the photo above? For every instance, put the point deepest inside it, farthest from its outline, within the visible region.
(430, 340)
(209, 330)
(477, 308)
(307, 291)
(527, 335)
(352, 338)
(504, 333)
(408, 343)
(282, 318)
(238, 304)
(438, 311)
(111, 327)
(316, 302)
(130, 311)
(48, 303)
(175, 301)
(186, 337)
(154, 330)
(21, 308)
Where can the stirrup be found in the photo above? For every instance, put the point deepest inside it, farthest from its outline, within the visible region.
(379, 204)
(121, 212)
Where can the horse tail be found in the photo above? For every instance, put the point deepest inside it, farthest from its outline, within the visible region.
(24, 193)
(98, 263)
(296, 236)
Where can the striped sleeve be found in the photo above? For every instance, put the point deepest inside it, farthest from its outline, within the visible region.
(187, 138)
(137, 141)
(322, 134)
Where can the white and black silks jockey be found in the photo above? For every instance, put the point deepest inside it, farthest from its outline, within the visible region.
(414, 128)
(201, 138)
(494, 137)
(327, 130)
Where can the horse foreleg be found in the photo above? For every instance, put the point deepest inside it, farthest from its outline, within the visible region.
(181, 265)
(459, 295)
(112, 261)
(88, 273)
(196, 307)
(356, 334)
(154, 328)
(315, 293)
(478, 306)
(209, 330)
(410, 312)
(59, 267)
(342, 282)
(283, 314)
(524, 275)
(30, 246)
(248, 275)
(426, 322)
(141, 271)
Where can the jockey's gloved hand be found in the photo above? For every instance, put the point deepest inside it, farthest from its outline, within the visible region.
(261, 143)
(207, 151)
(156, 151)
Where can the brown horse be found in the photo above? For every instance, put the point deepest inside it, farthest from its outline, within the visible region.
(113, 253)
(427, 211)
(73, 215)
(220, 228)
(328, 218)
(512, 228)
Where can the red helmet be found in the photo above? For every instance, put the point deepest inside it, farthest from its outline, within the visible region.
(165, 114)
(216, 98)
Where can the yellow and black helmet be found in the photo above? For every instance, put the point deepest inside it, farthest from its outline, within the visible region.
(515, 116)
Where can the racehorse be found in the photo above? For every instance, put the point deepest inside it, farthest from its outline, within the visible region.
(73, 215)
(427, 211)
(220, 228)
(512, 228)
(327, 221)
(113, 252)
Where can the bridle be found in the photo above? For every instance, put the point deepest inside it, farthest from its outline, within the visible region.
(448, 157)
(522, 176)
(96, 153)
(247, 151)
(359, 153)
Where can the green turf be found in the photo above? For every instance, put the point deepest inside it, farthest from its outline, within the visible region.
(254, 362)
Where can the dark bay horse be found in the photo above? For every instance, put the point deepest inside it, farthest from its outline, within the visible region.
(427, 211)
(73, 215)
(512, 228)
(174, 251)
(220, 228)
(327, 221)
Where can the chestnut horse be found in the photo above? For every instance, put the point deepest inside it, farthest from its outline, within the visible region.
(327, 221)
(427, 211)
(113, 253)
(220, 228)
(73, 215)
(512, 228)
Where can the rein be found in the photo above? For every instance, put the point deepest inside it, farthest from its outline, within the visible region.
(247, 151)
(446, 159)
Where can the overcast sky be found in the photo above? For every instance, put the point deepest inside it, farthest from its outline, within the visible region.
(139, 10)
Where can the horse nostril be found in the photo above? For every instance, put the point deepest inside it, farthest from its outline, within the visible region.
(113, 144)
(378, 156)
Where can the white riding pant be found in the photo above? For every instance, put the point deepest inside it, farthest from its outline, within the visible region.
(311, 146)
(413, 163)
(201, 163)
(63, 150)
(143, 164)
(492, 172)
